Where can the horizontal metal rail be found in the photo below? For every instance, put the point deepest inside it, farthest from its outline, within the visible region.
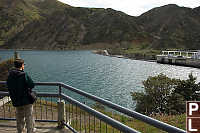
(136, 115)
(161, 125)
(41, 94)
(101, 116)
(13, 119)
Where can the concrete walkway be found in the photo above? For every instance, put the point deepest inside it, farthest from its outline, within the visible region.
(42, 127)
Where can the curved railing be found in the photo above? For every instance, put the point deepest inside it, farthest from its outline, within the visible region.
(121, 127)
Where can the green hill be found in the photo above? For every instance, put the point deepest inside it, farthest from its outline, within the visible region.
(172, 27)
(50, 24)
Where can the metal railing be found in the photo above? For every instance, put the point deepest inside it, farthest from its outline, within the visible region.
(81, 117)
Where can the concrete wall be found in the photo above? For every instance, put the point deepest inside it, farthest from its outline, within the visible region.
(193, 63)
(179, 61)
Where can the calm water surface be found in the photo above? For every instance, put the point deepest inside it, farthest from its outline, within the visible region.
(108, 77)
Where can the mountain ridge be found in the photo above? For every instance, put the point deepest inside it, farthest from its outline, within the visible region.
(50, 24)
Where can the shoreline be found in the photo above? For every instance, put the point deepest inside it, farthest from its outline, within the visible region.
(99, 52)
(102, 52)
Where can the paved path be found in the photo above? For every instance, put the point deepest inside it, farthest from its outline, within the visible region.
(42, 127)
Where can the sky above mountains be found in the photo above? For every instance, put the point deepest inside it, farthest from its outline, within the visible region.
(131, 7)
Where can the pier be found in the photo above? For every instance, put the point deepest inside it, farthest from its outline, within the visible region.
(182, 58)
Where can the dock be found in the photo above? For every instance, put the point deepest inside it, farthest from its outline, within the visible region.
(181, 58)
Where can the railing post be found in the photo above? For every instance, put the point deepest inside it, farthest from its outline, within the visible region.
(60, 91)
(61, 114)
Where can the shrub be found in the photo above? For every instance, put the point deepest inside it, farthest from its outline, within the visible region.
(156, 95)
(188, 88)
(165, 95)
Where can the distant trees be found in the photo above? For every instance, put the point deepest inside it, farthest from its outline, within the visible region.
(165, 95)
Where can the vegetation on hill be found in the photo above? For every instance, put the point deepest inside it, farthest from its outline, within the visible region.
(50, 24)
(140, 52)
(172, 26)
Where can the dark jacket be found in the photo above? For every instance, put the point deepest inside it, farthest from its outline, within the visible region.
(19, 84)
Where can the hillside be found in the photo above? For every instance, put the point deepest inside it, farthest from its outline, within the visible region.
(16, 15)
(53, 25)
(172, 27)
(50, 24)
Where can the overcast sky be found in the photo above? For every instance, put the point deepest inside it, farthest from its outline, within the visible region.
(131, 7)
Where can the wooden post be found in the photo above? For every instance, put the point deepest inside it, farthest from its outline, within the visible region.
(61, 114)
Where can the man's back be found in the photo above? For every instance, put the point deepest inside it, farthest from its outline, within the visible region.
(18, 87)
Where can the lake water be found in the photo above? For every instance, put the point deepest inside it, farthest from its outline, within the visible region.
(110, 78)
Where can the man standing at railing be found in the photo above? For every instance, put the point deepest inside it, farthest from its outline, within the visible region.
(19, 85)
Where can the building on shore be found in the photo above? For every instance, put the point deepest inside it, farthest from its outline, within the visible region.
(183, 58)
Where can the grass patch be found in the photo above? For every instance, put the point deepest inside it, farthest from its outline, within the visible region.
(90, 123)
